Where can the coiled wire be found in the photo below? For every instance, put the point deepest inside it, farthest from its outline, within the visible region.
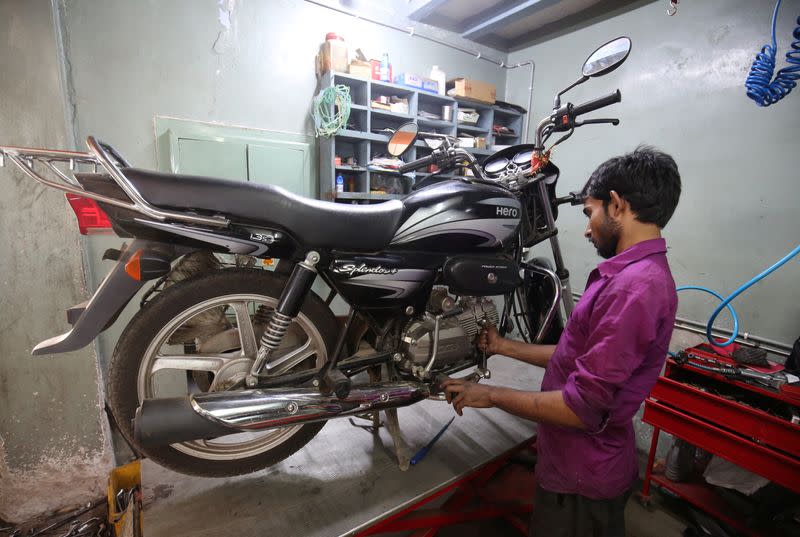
(331, 110)
(759, 84)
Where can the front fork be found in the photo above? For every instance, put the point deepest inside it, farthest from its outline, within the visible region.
(561, 270)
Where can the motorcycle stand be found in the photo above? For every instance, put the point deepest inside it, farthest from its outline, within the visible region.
(401, 449)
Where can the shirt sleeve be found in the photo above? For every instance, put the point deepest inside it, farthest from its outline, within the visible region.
(621, 327)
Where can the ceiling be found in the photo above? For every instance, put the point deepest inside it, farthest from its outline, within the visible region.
(512, 24)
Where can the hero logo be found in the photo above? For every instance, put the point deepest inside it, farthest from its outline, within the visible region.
(511, 212)
(351, 269)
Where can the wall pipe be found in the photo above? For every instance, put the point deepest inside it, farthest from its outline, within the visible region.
(478, 55)
(770, 345)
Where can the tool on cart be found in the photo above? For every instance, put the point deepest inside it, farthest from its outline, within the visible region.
(775, 379)
(419, 455)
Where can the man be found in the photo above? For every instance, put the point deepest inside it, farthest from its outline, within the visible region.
(607, 359)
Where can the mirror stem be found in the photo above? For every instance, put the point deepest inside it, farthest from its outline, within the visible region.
(557, 102)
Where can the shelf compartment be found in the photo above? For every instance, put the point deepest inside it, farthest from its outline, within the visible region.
(358, 87)
(472, 129)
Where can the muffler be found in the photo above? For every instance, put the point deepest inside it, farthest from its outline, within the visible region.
(160, 422)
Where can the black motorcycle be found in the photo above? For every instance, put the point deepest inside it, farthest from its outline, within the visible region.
(233, 363)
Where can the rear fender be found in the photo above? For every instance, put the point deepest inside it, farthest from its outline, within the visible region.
(108, 301)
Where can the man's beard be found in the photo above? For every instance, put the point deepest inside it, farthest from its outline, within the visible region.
(607, 238)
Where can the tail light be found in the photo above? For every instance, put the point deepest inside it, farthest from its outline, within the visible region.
(91, 217)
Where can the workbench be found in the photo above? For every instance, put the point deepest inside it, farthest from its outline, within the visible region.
(346, 479)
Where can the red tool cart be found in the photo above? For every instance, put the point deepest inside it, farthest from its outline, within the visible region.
(749, 425)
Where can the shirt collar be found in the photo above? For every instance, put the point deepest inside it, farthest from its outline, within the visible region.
(638, 251)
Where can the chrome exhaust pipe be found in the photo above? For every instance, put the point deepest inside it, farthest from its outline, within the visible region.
(160, 422)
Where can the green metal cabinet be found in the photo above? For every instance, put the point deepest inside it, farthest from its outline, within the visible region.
(267, 157)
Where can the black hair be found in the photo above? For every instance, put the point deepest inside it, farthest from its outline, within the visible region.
(648, 179)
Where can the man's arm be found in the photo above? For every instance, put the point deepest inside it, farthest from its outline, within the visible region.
(490, 341)
(547, 407)
(527, 352)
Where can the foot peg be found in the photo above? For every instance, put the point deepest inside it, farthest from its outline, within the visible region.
(334, 381)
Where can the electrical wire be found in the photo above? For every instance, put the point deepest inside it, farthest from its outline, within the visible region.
(760, 86)
(331, 110)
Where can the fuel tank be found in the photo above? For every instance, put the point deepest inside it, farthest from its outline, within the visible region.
(454, 216)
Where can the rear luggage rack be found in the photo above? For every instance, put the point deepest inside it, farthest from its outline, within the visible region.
(42, 165)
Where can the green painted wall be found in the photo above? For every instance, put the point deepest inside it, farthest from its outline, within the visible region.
(683, 91)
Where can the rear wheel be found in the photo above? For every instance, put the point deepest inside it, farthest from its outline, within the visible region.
(201, 335)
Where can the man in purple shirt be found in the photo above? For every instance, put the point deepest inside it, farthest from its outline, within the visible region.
(607, 358)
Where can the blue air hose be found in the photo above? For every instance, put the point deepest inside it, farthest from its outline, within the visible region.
(759, 84)
(726, 301)
(730, 309)
(742, 289)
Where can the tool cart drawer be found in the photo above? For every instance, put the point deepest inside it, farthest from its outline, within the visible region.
(753, 423)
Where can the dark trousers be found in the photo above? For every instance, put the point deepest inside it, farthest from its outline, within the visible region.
(572, 515)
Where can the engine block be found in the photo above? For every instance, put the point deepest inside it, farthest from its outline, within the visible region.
(457, 331)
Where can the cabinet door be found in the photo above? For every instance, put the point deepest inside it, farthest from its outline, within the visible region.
(279, 163)
(226, 160)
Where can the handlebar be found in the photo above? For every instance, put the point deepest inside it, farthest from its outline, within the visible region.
(596, 104)
(416, 164)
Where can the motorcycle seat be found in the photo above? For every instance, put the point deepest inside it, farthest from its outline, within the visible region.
(315, 223)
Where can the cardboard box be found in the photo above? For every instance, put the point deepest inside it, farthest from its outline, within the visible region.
(472, 89)
(430, 85)
(360, 68)
(333, 57)
(407, 79)
(376, 70)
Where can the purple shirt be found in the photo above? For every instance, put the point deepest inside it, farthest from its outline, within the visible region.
(607, 360)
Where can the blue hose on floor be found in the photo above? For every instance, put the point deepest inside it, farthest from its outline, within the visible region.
(727, 301)
(759, 84)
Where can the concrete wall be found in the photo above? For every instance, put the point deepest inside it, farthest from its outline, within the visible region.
(683, 91)
(178, 59)
(53, 449)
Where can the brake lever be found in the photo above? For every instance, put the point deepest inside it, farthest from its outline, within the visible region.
(613, 121)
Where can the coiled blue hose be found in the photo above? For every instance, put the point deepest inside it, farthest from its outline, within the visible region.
(759, 84)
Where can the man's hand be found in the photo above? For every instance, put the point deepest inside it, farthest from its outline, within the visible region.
(490, 340)
(461, 394)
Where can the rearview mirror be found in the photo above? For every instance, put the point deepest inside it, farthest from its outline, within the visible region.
(607, 58)
(403, 138)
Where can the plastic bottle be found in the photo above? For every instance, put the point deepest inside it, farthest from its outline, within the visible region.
(439, 76)
(385, 77)
(339, 183)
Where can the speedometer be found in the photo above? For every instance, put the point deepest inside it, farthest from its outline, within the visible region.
(523, 157)
(496, 166)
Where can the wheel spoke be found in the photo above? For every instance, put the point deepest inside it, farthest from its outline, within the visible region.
(189, 362)
(247, 336)
(281, 364)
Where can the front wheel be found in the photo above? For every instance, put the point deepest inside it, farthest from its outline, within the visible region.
(201, 335)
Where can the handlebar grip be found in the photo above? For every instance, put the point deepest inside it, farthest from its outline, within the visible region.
(596, 104)
(416, 164)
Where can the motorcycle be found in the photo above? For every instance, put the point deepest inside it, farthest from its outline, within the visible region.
(229, 367)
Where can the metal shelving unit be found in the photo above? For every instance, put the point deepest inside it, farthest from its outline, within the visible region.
(363, 140)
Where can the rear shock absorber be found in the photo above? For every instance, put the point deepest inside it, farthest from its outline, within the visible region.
(289, 305)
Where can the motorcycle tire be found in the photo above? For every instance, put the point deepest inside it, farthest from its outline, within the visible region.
(129, 355)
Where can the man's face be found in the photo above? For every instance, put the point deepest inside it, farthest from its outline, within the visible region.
(601, 230)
